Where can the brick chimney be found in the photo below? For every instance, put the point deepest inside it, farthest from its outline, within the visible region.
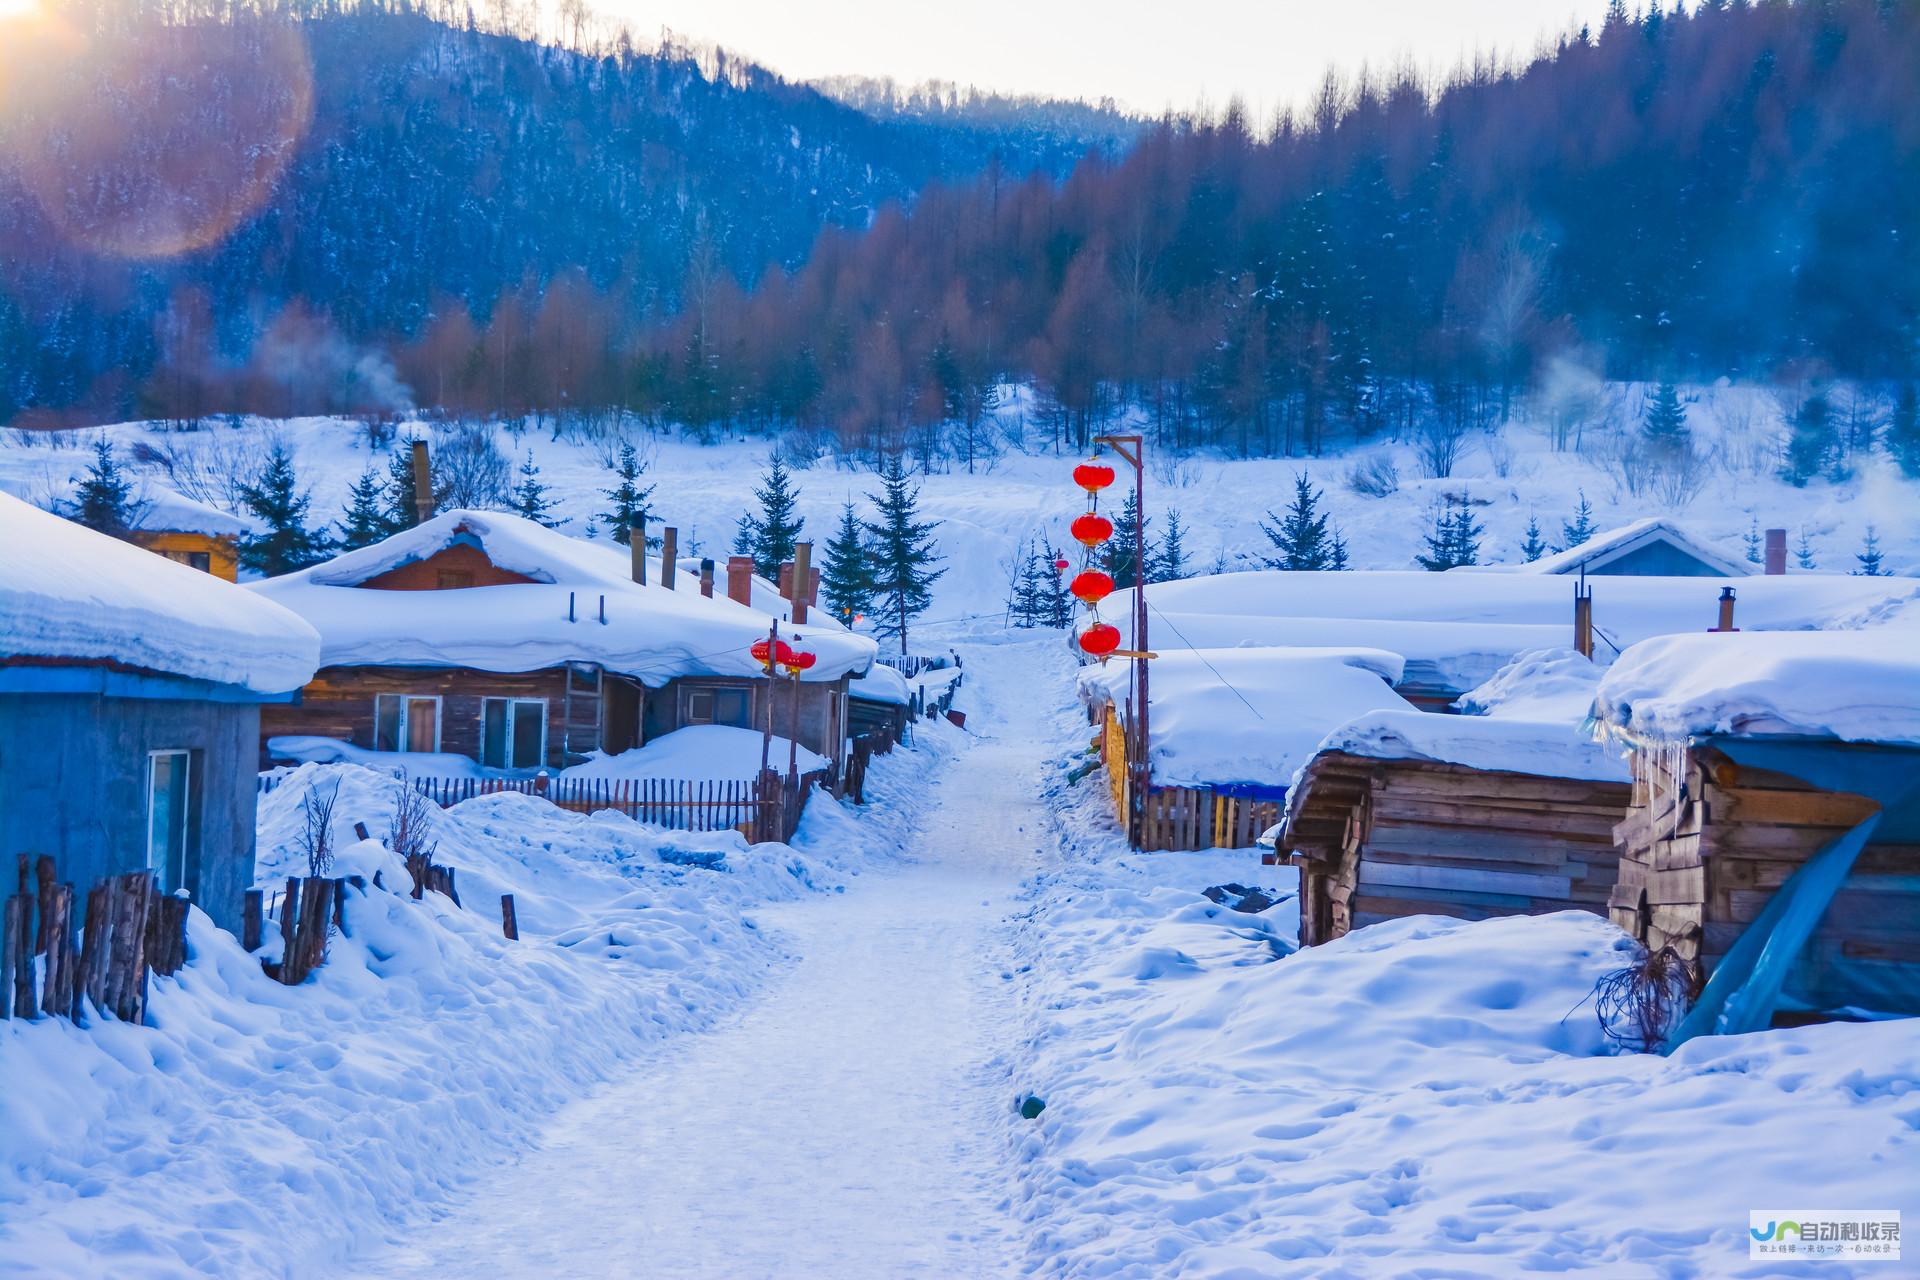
(669, 549)
(813, 588)
(423, 485)
(786, 580)
(706, 578)
(740, 579)
(1776, 551)
(800, 579)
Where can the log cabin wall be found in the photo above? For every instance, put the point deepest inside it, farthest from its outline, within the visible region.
(821, 726)
(1706, 844)
(452, 568)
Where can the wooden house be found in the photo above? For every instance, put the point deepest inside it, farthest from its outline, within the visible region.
(489, 636)
(1754, 757)
(189, 532)
(1652, 548)
(130, 699)
(1401, 814)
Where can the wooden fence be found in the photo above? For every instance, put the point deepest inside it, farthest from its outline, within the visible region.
(55, 963)
(1182, 818)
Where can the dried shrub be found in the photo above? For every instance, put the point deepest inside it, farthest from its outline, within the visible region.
(1639, 1006)
(411, 835)
(1375, 476)
(316, 834)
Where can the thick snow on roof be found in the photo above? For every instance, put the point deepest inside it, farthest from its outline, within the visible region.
(649, 633)
(881, 683)
(163, 510)
(1617, 542)
(1542, 684)
(764, 594)
(1545, 748)
(68, 592)
(1248, 715)
(1859, 686)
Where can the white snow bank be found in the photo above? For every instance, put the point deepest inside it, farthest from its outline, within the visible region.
(1247, 715)
(649, 633)
(1545, 748)
(1422, 1097)
(163, 510)
(698, 752)
(302, 748)
(1859, 686)
(881, 683)
(1540, 684)
(68, 592)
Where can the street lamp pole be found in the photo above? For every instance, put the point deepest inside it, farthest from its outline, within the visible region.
(1133, 449)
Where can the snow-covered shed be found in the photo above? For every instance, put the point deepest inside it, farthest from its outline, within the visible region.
(490, 636)
(1650, 548)
(1226, 729)
(130, 696)
(189, 532)
(1507, 810)
(1774, 833)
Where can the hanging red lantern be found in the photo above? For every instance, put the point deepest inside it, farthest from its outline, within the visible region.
(783, 654)
(1093, 476)
(1062, 565)
(760, 652)
(1090, 530)
(799, 661)
(1100, 639)
(1091, 587)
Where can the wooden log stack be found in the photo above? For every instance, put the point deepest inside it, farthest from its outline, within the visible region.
(98, 959)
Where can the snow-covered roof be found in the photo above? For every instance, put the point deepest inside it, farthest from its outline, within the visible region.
(1856, 686)
(649, 633)
(68, 592)
(765, 595)
(1611, 544)
(1248, 715)
(1541, 684)
(1544, 748)
(881, 683)
(163, 510)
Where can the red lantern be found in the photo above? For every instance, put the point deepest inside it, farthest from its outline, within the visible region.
(1093, 476)
(1061, 565)
(760, 652)
(1091, 530)
(1091, 587)
(1100, 639)
(799, 661)
(783, 654)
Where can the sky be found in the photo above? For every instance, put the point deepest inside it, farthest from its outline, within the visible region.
(1148, 54)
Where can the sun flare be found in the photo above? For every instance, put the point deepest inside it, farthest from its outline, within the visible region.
(18, 10)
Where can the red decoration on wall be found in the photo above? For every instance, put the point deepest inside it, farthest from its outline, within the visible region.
(1091, 530)
(1093, 476)
(1100, 639)
(1091, 587)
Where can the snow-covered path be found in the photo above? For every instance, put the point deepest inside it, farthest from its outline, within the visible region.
(846, 1124)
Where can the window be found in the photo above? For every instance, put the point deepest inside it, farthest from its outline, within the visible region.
(168, 779)
(403, 722)
(201, 560)
(455, 579)
(711, 705)
(513, 733)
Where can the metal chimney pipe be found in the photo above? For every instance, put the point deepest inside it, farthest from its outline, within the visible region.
(1726, 610)
(669, 550)
(423, 485)
(800, 572)
(706, 578)
(1776, 552)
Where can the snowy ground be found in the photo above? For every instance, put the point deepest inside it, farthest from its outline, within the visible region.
(989, 518)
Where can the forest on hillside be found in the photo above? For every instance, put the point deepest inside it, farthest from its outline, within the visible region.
(485, 225)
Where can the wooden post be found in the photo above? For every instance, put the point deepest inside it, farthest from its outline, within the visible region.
(509, 922)
(96, 944)
(793, 727)
(637, 549)
(56, 991)
(251, 915)
(13, 929)
(1583, 618)
(766, 735)
(422, 483)
(669, 550)
(290, 921)
(360, 831)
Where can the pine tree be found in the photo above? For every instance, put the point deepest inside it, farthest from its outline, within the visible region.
(629, 510)
(1580, 528)
(1533, 546)
(1119, 559)
(1665, 429)
(1803, 550)
(1454, 539)
(1753, 541)
(530, 496)
(403, 512)
(903, 552)
(1810, 440)
(1169, 561)
(745, 534)
(846, 582)
(1060, 601)
(365, 521)
(1903, 431)
(1301, 538)
(1028, 608)
(776, 529)
(1870, 558)
(280, 504)
(1466, 535)
(1337, 559)
(103, 501)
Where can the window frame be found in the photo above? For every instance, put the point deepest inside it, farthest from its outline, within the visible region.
(403, 722)
(716, 691)
(163, 875)
(510, 723)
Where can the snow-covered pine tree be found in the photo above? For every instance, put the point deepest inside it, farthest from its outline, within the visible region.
(1028, 608)
(1753, 541)
(903, 552)
(846, 580)
(1810, 439)
(629, 498)
(103, 500)
(1454, 539)
(1872, 563)
(1299, 539)
(1060, 601)
(280, 504)
(1439, 541)
(745, 534)
(1169, 560)
(1903, 431)
(1581, 527)
(777, 528)
(1466, 534)
(1533, 546)
(530, 496)
(1665, 428)
(365, 519)
(1803, 550)
(1119, 563)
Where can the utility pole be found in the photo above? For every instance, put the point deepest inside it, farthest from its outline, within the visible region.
(1133, 449)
